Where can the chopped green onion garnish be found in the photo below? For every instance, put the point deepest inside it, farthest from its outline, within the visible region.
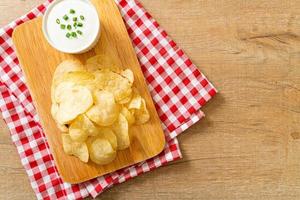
(62, 26)
(81, 17)
(74, 19)
(69, 27)
(68, 35)
(80, 24)
(74, 34)
(72, 11)
(66, 17)
(79, 32)
(57, 21)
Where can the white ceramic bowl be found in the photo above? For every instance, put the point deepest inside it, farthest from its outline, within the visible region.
(57, 36)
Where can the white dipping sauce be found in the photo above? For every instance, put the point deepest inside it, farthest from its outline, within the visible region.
(56, 36)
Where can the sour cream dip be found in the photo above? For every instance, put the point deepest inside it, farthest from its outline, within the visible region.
(71, 26)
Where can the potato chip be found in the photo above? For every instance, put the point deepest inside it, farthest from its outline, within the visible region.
(128, 115)
(100, 79)
(112, 67)
(77, 149)
(136, 101)
(101, 151)
(80, 150)
(123, 95)
(77, 78)
(118, 85)
(67, 143)
(105, 111)
(92, 67)
(65, 67)
(81, 128)
(109, 135)
(125, 100)
(142, 115)
(73, 100)
(62, 127)
(114, 83)
(96, 103)
(81, 78)
(77, 134)
(127, 73)
(101, 62)
(60, 91)
(120, 90)
(89, 126)
(77, 131)
(105, 77)
(120, 128)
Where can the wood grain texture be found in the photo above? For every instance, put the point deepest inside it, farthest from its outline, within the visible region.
(39, 62)
(248, 145)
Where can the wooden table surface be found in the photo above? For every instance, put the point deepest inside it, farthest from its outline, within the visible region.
(248, 146)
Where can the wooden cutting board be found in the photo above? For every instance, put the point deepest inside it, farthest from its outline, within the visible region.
(39, 60)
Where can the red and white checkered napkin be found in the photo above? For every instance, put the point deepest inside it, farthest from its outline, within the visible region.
(178, 88)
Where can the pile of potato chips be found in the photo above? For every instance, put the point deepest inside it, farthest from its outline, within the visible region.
(94, 106)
